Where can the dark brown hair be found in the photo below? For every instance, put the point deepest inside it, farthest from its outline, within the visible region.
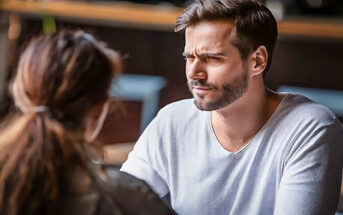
(255, 24)
(67, 73)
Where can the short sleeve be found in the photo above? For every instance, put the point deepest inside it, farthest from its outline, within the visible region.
(311, 179)
(145, 160)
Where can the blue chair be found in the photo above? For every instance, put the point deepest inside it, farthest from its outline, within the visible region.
(142, 88)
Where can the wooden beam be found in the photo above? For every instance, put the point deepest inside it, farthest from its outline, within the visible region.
(155, 17)
(314, 28)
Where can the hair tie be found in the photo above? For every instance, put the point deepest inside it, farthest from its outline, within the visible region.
(39, 109)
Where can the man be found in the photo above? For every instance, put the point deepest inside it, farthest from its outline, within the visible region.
(238, 148)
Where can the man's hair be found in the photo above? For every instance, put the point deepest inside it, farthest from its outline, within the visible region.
(255, 24)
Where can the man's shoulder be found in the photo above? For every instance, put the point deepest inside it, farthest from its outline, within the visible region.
(298, 108)
(177, 115)
(185, 106)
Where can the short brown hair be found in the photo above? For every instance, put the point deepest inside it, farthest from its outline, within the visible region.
(255, 24)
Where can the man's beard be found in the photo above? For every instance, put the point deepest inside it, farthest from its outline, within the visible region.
(226, 93)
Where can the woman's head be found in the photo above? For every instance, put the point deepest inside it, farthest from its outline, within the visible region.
(68, 72)
(60, 90)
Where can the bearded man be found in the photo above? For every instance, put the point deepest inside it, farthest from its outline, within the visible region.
(238, 148)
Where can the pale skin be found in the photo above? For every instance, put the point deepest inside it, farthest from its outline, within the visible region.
(94, 122)
(213, 58)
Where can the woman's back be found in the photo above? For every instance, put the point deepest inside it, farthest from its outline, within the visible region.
(46, 159)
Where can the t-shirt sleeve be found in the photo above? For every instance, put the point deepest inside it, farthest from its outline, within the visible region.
(145, 161)
(310, 184)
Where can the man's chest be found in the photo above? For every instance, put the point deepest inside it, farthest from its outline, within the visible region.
(221, 185)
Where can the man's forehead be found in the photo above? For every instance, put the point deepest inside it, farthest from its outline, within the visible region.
(209, 35)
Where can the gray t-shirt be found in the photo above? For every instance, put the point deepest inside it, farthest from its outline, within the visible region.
(292, 166)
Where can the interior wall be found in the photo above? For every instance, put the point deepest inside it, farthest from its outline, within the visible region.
(298, 61)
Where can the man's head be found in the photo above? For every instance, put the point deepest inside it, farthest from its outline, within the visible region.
(254, 23)
(223, 39)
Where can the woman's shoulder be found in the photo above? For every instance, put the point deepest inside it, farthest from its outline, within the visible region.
(110, 191)
(133, 195)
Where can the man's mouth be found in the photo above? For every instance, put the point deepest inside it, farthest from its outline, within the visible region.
(200, 90)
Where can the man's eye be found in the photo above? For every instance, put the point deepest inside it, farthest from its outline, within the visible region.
(213, 58)
(189, 58)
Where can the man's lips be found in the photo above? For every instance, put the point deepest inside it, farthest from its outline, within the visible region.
(201, 90)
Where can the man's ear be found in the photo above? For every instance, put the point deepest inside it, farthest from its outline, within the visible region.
(260, 59)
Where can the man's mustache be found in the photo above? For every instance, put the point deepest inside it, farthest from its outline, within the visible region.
(201, 83)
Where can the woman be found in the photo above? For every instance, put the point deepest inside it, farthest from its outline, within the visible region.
(47, 165)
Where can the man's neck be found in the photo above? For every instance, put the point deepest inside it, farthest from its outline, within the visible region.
(236, 124)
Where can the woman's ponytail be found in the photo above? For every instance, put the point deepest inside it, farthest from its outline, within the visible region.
(34, 147)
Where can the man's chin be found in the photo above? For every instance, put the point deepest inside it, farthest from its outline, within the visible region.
(205, 105)
(202, 105)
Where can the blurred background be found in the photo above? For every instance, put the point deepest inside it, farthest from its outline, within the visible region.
(308, 57)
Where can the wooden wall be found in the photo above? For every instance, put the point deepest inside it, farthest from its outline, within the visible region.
(298, 60)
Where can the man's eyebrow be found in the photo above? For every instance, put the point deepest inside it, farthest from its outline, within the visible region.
(185, 54)
(219, 54)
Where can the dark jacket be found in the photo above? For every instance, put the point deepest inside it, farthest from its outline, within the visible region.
(109, 192)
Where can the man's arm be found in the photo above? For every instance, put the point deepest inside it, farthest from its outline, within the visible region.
(312, 173)
(145, 161)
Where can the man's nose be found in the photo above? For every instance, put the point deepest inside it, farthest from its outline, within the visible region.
(196, 70)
